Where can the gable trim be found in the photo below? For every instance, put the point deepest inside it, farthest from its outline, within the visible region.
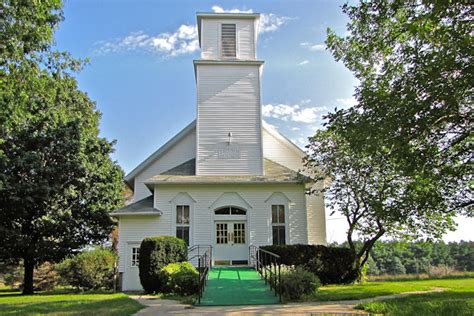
(225, 198)
(163, 149)
(282, 138)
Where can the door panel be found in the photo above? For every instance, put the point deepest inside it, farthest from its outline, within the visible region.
(230, 242)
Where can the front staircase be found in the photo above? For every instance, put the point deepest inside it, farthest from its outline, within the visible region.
(236, 286)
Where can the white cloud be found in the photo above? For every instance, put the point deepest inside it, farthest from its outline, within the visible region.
(346, 102)
(218, 9)
(314, 47)
(295, 129)
(269, 22)
(304, 62)
(294, 113)
(182, 41)
(305, 101)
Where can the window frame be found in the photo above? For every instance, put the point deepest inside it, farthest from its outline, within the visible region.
(134, 257)
(278, 224)
(221, 50)
(182, 225)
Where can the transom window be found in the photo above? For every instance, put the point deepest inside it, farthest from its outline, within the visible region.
(278, 224)
(228, 38)
(135, 256)
(182, 222)
(230, 211)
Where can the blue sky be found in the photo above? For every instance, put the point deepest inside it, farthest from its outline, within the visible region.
(141, 73)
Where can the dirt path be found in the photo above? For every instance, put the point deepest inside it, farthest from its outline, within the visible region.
(157, 306)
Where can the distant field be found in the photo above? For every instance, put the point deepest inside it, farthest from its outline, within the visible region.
(57, 303)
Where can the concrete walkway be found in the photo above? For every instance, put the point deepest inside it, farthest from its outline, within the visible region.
(156, 306)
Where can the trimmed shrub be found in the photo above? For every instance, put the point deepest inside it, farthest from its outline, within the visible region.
(89, 270)
(332, 265)
(155, 254)
(296, 282)
(181, 278)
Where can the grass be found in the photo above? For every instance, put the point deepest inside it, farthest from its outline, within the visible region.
(66, 303)
(457, 300)
(373, 289)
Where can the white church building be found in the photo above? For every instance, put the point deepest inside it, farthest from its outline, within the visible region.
(227, 179)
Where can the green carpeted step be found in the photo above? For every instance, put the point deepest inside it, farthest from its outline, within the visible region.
(237, 286)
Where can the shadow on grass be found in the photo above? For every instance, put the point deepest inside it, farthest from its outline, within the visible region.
(114, 306)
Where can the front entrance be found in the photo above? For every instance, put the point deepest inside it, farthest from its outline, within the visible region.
(231, 243)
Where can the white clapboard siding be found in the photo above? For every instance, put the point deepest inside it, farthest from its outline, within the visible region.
(316, 217)
(278, 149)
(211, 38)
(258, 217)
(228, 102)
(181, 152)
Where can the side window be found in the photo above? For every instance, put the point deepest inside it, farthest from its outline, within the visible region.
(228, 41)
(135, 259)
(182, 222)
(278, 224)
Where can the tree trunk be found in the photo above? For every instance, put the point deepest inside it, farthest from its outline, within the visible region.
(28, 278)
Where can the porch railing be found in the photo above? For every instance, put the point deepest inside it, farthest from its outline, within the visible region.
(268, 265)
(204, 264)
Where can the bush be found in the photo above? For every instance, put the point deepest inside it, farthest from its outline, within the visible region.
(296, 282)
(89, 270)
(45, 277)
(155, 254)
(181, 278)
(332, 265)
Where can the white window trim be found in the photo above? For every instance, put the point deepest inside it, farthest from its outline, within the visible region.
(182, 198)
(285, 224)
(182, 225)
(131, 257)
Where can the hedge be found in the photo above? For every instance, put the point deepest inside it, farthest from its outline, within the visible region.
(332, 265)
(155, 254)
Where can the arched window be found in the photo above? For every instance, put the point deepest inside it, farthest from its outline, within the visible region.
(230, 211)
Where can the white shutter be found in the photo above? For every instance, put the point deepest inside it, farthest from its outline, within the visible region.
(228, 41)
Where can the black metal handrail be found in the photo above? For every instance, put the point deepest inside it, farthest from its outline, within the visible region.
(268, 265)
(200, 249)
(204, 261)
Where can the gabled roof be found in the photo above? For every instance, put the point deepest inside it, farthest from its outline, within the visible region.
(129, 177)
(274, 173)
(141, 207)
(188, 165)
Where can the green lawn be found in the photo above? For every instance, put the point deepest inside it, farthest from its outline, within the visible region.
(372, 289)
(457, 300)
(57, 303)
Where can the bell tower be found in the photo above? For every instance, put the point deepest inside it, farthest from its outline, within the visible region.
(229, 115)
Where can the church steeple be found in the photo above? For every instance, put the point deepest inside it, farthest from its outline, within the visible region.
(229, 125)
(227, 36)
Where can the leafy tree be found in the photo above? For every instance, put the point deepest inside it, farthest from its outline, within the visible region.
(399, 163)
(57, 180)
(368, 190)
(414, 60)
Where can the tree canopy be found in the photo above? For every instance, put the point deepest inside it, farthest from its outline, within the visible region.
(57, 180)
(400, 162)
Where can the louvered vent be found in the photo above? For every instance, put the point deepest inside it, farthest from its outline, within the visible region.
(228, 41)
